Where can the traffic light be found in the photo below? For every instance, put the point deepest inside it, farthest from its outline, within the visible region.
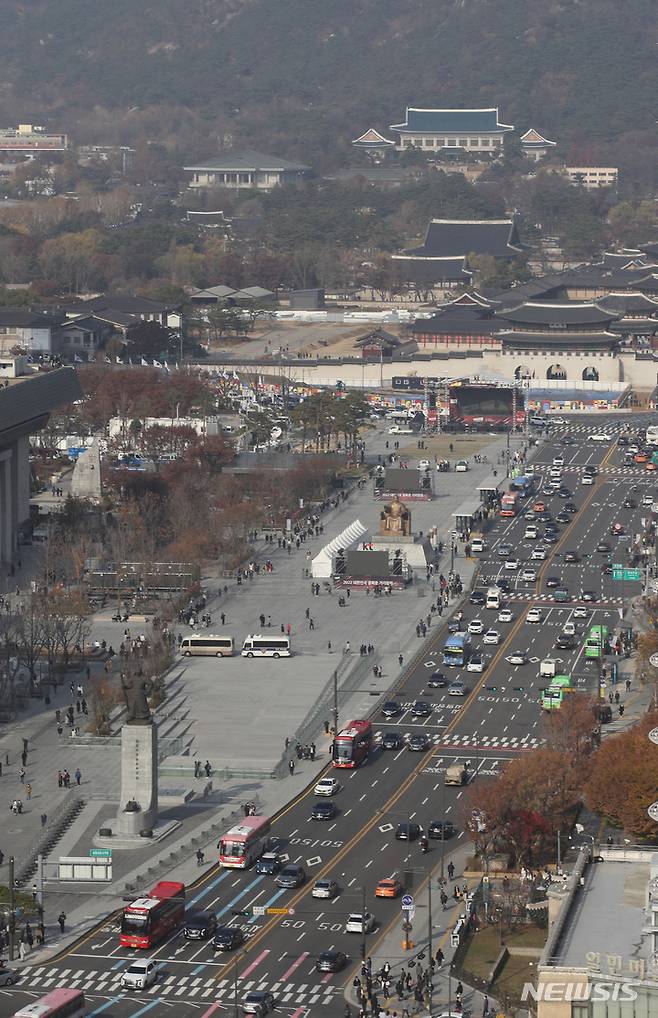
(518, 689)
(492, 689)
(240, 912)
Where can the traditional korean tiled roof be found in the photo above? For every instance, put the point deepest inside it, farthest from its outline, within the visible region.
(432, 270)
(444, 121)
(246, 160)
(451, 238)
(372, 139)
(557, 315)
(602, 340)
(533, 139)
(629, 303)
(457, 321)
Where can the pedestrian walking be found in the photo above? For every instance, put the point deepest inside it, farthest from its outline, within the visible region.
(628, 685)
(444, 900)
(485, 1006)
(24, 758)
(22, 950)
(44, 819)
(78, 776)
(223, 618)
(61, 919)
(439, 956)
(199, 857)
(28, 790)
(291, 767)
(451, 871)
(207, 768)
(21, 775)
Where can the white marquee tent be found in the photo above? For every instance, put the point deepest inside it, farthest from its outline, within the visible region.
(322, 566)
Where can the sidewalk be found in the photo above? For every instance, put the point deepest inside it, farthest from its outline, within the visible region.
(391, 948)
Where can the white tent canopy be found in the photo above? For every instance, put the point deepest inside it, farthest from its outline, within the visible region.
(322, 566)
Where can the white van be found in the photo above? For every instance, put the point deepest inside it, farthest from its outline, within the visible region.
(493, 598)
(400, 429)
(266, 646)
(477, 544)
(531, 532)
(210, 645)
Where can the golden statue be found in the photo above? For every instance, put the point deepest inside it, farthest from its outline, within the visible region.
(395, 518)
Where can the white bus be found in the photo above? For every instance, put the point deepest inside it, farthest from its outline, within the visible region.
(210, 645)
(651, 436)
(266, 646)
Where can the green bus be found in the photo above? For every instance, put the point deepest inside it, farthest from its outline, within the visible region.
(553, 696)
(595, 642)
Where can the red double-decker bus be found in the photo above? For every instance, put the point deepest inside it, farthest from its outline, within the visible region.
(509, 504)
(148, 920)
(352, 745)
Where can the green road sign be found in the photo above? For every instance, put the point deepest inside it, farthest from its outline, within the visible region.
(100, 853)
(625, 574)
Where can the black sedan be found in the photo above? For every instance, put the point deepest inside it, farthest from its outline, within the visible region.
(200, 925)
(563, 517)
(407, 832)
(421, 709)
(588, 595)
(571, 556)
(323, 811)
(391, 709)
(478, 598)
(331, 961)
(392, 741)
(441, 829)
(629, 503)
(419, 743)
(570, 507)
(269, 863)
(603, 547)
(551, 537)
(552, 581)
(437, 680)
(227, 938)
(503, 585)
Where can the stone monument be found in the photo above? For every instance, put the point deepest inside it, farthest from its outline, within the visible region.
(86, 477)
(138, 809)
(395, 522)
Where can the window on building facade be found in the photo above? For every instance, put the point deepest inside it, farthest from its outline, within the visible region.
(452, 142)
(496, 141)
(580, 1011)
(429, 143)
(463, 142)
(474, 142)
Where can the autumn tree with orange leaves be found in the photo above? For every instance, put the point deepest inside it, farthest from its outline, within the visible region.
(624, 779)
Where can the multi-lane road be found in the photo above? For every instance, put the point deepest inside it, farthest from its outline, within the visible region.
(496, 720)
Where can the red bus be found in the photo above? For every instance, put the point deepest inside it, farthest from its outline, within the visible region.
(509, 504)
(352, 745)
(148, 920)
(244, 843)
(59, 1003)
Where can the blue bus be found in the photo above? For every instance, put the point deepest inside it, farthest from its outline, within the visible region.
(525, 485)
(456, 650)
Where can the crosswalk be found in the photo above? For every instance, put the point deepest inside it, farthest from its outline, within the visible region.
(168, 985)
(490, 742)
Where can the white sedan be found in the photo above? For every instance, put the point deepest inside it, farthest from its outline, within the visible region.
(492, 636)
(511, 564)
(599, 436)
(529, 575)
(505, 615)
(475, 663)
(423, 464)
(475, 627)
(580, 612)
(534, 615)
(326, 786)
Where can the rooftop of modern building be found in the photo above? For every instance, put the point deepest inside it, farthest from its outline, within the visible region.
(607, 915)
(27, 400)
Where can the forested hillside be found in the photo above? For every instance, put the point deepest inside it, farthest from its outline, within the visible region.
(302, 77)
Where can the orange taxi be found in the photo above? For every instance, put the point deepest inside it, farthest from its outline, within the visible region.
(388, 888)
(649, 465)
(641, 457)
(539, 507)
